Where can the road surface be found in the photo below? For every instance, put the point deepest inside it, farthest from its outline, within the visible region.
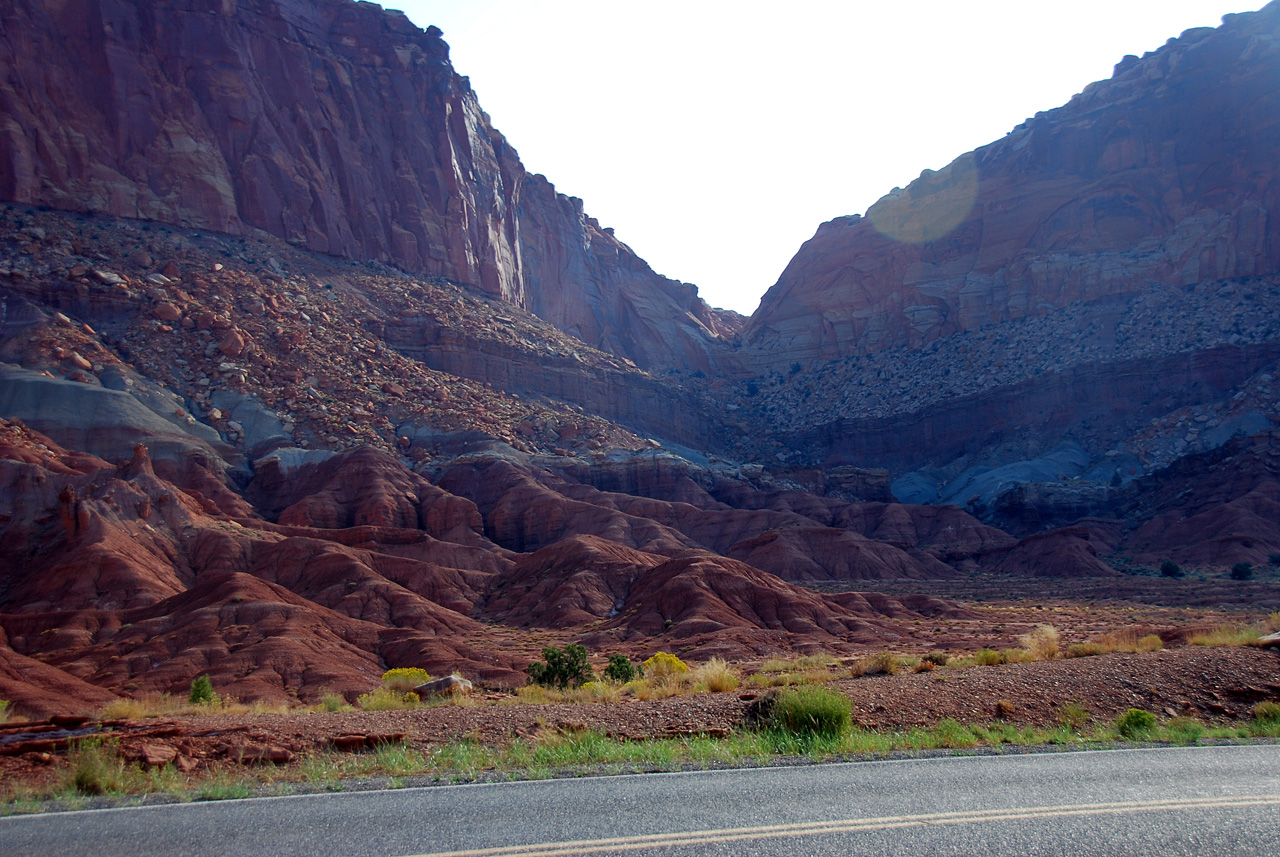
(1216, 801)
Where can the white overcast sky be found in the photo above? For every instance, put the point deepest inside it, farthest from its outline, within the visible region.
(716, 136)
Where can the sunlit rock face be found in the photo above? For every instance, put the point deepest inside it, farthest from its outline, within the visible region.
(335, 125)
(1167, 173)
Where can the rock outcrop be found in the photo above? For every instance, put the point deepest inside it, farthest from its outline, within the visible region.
(338, 126)
(1169, 172)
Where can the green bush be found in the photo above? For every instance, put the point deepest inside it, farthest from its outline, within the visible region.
(4, 711)
(561, 668)
(386, 699)
(1242, 571)
(1267, 712)
(404, 679)
(938, 659)
(811, 710)
(620, 669)
(1169, 568)
(202, 692)
(1135, 723)
(988, 658)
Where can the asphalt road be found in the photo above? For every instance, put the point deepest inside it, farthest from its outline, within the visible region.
(1215, 801)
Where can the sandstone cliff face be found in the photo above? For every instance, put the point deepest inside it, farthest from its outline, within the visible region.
(1167, 173)
(336, 125)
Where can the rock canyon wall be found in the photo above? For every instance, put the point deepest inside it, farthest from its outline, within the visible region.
(337, 126)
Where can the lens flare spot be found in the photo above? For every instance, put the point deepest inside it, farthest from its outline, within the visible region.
(931, 206)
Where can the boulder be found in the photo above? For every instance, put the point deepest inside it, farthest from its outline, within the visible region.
(450, 685)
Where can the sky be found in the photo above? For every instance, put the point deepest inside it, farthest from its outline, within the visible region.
(715, 137)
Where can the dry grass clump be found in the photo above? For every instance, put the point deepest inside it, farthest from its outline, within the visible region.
(1017, 656)
(925, 666)
(881, 663)
(715, 676)
(988, 658)
(1129, 640)
(404, 679)
(1042, 642)
(1227, 635)
(386, 699)
(785, 672)
(1273, 623)
(167, 705)
(4, 711)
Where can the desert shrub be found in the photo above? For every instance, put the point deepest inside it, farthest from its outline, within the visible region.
(1135, 723)
(1004, 708)
(125, 709)
(620, 669)
(1086, 650)
(4, 710)
(1242, 571)
(1073, 715)
(925, 666)
(1267, 712)
(202, 692)
(1017, 656)
(565, 667)
(1150, 643)
(716, 675)
(95, 768)
(810, 710)
(938, 659)
(1226, 635)
(386, 699)
(333, 702)
(988, 658)
(404, 679)
(1274, 558)
(1169, 568)
(662, 667)
(1042, 642)
(881, 663)
(1273, 622)
(1184, 730)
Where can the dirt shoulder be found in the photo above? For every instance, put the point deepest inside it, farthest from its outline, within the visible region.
(1211, 684)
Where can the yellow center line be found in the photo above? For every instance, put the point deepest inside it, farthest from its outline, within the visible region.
(851, 825)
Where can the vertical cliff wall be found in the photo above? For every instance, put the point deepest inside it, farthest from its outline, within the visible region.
(1168, 173)
(336, 125)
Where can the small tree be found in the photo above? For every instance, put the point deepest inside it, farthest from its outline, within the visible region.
(561, 668)
(202, 692)
(1169, 568)
(620, 669)
(1242, 571)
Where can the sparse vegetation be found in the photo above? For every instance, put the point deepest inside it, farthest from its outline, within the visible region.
(715, 676)
(663, 666)
(881, 663)
(988, 658)
(562, 668)
(403, 679)
(1242, 571)
(1073, 715)
(620, 669)
(386, 699)
(1169, 568)
(202, 692)
(333, 702)
(936, 658)
(4, 711)
(810, 711)
(1136, 724)
(94, 767)
(1042, 642)
(1128, 640)
(1227, 635)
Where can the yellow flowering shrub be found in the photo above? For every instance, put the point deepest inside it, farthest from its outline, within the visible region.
(663, 665)
(404, 678)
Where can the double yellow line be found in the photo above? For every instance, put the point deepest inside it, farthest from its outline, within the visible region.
(853, 825)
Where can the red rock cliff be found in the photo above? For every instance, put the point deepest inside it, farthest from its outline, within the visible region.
(1169, 172)
(336, 125)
